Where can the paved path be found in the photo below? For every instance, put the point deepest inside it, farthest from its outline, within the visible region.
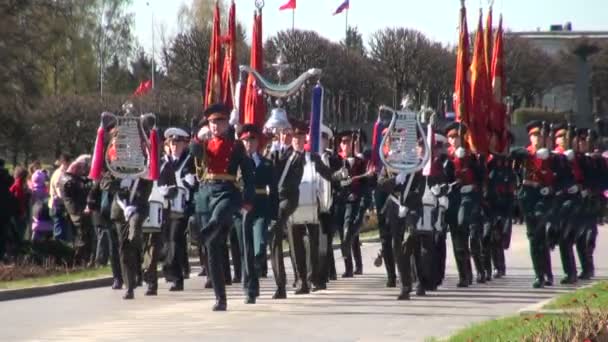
(359, 309)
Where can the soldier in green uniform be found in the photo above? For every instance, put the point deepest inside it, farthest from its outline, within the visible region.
(218, 197)
(590, 164)
(252, 235)
(568, 180)
(536, 196)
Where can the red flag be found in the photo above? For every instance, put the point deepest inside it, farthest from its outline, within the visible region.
(213, 87)
(143, 88)
(291, 4)
(480, 94)
(487, 43)
(229, 72)
(254, 108)
(499, 110)
(462, 97)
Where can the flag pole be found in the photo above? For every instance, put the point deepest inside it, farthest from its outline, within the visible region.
(346, 30)
(293, 19)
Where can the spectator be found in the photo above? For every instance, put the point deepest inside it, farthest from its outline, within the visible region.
(74, 188)
(6, 203)
(19, 194)
(42, 225)
(61, 228)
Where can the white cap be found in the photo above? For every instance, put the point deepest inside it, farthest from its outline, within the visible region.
(174, 132)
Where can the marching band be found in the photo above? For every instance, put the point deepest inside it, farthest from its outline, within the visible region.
(302, 182)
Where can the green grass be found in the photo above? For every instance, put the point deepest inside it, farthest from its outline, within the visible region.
(513, 328)
(595, 297)
(55, 279)
(517, 328)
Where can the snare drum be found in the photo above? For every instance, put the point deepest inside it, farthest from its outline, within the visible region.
(179, 202)
(154, 221)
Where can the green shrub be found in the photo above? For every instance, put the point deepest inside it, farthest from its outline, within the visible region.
(522, 116)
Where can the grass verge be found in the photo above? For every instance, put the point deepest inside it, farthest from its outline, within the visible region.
(56, 278)
(594, 297)
(541, 327)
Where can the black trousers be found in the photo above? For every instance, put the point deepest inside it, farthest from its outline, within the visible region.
(235, 246)
(385, 235)
(216, 204)
(305, 243)
(346, 214)
(326, 252)
(130, 242)
(176, 254)
(286, 209)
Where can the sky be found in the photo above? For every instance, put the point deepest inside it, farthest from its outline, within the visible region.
(438, 19)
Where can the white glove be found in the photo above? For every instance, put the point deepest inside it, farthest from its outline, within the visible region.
(402, 211)
(460, 152)
(129, 211)
(542, 154)
(163, 190)
(569, 155)
(346, 182)
(203, 133)
(189, 178)
(400, 179)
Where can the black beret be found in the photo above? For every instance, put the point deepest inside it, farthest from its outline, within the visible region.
(216, 109)
(454, 125)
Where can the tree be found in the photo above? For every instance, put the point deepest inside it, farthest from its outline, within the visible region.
(529, 70)
(354, 41)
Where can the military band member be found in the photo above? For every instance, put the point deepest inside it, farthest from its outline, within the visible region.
(464, 210)
(442, 171)
(500, 196)
(218, 197)
(129, 210)
(384, 228)
(253, 234)
(327, 226)
(568, 197)
(403, 212)
(348, 198)
(590, 193)
(178, 183)
(536, 197)
(288, 162)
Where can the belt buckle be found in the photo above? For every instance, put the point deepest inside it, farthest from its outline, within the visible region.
(545, 191)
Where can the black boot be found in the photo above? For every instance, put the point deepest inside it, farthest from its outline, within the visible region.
(303, 289)
(208, 284)
(117, 285)
(220, 305)
(250, 300)
(481, 278)
(280, 293)
(538, 283)
(178, 286)
(391, 282)
(319, 287)
(128, 295)
(404, 295)
(348, 265)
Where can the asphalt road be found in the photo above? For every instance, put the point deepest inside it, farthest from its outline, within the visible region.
(359, 309)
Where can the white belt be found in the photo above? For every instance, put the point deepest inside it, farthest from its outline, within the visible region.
(465, 189)
(573, 189)
(585, 193)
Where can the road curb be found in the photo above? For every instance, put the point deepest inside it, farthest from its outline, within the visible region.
(46, 290)
(537, 308)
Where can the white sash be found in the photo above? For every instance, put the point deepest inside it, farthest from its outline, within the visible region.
(287, 166)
